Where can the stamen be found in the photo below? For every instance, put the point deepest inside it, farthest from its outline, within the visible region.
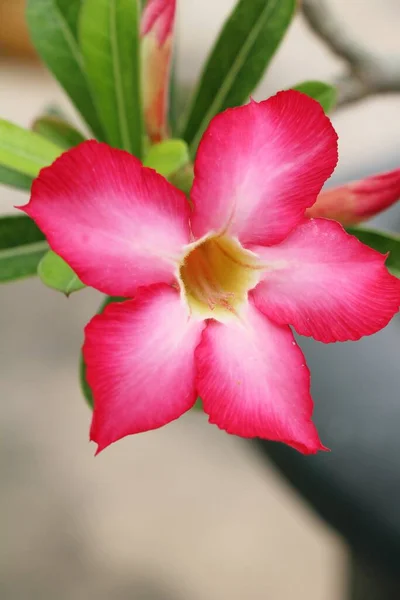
(216, 276)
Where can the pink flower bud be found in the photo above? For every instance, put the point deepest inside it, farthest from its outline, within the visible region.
(359, 200)
(157, 37)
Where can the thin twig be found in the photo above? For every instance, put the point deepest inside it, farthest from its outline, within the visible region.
(368, 72)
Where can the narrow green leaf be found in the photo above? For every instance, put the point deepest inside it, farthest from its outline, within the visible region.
(53, 29)
(70, 9)
(109, 38)
(238, 60)
(58, 275)
(87, 392)
(22, 246)
(16, 230)
(58, 131)
(167, 157)
(382, 242)
(15, 179)
(25, 151)
(324, 93)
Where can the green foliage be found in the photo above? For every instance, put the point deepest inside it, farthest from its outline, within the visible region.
(25, 151)
(198, 405)
(56, 274)
(22, 245)
(58, 131)
(167, 157)
(238, 60)
(382, 242)
(53, 27)
(183, 179)
(109, 38)
(15, 179)
(324, 93)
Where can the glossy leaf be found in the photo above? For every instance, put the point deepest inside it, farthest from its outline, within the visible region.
(22, 245)
(58, 275)
(53, 29)
(25, 151)
(58, 131)
(383, 243)
(14, 179)
(167, 157)
(238, 60)
(109, 38)
(87, 392)
(324, 93)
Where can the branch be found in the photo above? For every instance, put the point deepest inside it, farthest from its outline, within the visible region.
(368, 72)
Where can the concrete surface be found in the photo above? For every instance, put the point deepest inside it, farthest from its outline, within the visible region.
(182, 513)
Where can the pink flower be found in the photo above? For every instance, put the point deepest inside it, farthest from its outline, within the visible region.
(359, 200)
(157, 29)
(215, 287)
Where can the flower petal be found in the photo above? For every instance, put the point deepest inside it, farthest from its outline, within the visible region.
(254, 382)
(260, 166)
(326, 284)
(140, 364)
(157, 29)
(359, 200)
(117, 224)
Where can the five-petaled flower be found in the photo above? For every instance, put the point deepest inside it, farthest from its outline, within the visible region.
(214, 287)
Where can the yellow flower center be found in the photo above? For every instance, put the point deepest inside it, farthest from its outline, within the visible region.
(216, 275)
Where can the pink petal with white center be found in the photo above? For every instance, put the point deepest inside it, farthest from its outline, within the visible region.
(326, 284)
(254, 382)
(116, 223)
(359, 200)
(260, 166)
(157, 28)
(140, 364)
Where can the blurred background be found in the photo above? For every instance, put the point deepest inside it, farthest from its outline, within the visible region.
(186, 512)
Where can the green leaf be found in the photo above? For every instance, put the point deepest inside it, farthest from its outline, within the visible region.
(238, 60)
(382, 242)
(53, 29)
(58, 131)
(58, 275)
(198, 406)
(183, 179)
(109, 38)
(25, 151)
(70, 9)
(22, 246)
(15, 179)
(87, 392)
(325, 94)
(54, 110)
(167, 157)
